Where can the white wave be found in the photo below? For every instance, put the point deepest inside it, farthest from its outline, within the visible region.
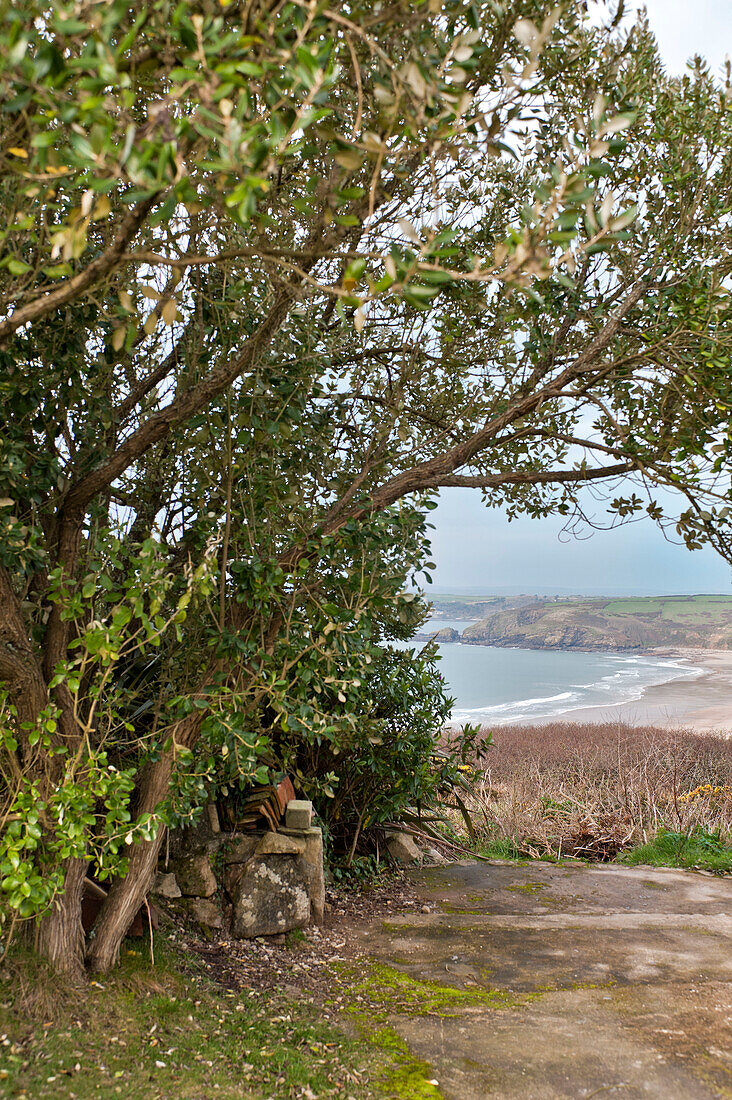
(519, 708)
(627, 685)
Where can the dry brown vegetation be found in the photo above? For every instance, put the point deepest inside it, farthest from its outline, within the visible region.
(592, 791)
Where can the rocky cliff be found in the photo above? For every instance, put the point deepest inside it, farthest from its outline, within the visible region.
(609, 624)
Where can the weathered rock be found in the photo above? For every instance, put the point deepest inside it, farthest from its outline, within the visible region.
(236, 848)
(213, 817)
(206, 912)
(195, 876)
(271, 896)
(181, 842)
(299, 814)
(433, 855)
(239, 851)
(402, 848)
(312, 845)
(231, 876)
(166, 885)
(278, 844)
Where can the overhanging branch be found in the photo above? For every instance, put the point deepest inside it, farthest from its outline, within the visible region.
(540, 477)
(72, 289)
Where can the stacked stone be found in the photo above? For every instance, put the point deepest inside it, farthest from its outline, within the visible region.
(262, 885)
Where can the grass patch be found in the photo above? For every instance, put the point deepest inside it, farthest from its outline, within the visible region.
(711, 609)
(633, 607)
(501, 847)
(164, 1032)
(668, 849)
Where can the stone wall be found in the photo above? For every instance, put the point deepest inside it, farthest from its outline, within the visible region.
(248, 884)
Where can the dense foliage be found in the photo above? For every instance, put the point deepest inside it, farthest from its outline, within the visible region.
(391, 762)
(271, 277)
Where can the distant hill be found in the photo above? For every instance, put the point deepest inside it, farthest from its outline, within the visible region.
(463, 607)
(635, 623)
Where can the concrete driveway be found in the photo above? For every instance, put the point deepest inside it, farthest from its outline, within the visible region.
(539, 981)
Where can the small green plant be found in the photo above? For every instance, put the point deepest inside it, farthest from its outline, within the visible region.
(708, 850)
(554, 808)
(362, 870)
(502, 847)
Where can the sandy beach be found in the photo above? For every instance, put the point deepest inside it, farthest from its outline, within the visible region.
(703, 703)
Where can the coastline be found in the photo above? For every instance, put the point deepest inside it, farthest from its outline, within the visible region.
(703, 704)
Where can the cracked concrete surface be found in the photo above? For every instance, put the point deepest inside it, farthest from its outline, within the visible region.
(619, 980)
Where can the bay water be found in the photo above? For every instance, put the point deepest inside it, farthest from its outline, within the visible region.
(496, 685)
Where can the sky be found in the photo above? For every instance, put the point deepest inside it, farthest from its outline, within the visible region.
(477, 549)
(686, 27)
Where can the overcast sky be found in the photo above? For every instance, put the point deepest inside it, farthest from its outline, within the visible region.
(477, 548)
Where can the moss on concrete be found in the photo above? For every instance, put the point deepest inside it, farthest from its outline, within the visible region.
(445, 907)
(528, 887)
(406, 1078)
(389, 991)
(378, 993)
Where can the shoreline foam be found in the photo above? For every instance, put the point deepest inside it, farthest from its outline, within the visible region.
(702, 703)
(699, 698)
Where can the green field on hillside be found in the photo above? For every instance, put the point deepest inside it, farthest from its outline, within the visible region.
(597, 623)
(689, 609)
(683, 609)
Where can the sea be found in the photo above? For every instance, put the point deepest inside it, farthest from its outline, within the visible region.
(498, 685)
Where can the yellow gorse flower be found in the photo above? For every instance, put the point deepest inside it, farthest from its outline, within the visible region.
(706, 790)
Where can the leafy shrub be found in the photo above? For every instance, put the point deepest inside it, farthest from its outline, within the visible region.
(390, 760)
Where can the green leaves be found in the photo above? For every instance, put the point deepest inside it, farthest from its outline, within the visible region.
(280, 278)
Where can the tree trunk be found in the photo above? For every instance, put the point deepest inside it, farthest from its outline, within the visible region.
(122, 904)
(127, 894)
(59, 932)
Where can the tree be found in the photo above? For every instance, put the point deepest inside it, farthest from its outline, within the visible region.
(273, 276)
